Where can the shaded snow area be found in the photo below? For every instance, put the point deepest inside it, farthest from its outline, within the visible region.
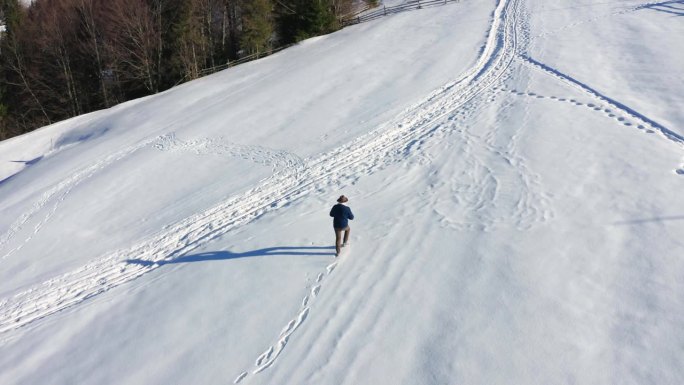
(515, 168)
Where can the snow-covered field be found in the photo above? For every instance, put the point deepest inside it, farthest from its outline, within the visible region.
(515, 168)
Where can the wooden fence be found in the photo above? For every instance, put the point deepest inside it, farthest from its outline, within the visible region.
(361, 17)
(241, 60)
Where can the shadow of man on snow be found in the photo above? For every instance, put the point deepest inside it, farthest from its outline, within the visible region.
(226, 255)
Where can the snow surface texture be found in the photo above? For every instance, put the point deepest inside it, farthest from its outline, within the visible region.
(514, 167)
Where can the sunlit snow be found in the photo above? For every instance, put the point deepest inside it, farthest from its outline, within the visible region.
(515, 168)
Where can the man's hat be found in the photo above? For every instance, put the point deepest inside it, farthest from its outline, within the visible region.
(342, 199)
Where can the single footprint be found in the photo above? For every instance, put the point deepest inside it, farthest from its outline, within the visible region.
(240, 377)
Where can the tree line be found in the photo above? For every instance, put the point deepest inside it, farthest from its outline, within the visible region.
(62, 58)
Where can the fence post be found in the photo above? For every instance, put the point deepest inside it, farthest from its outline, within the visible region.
(384, 8)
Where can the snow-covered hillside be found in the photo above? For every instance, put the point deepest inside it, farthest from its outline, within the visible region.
(515, 168)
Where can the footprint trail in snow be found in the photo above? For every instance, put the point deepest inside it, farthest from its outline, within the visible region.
(268, 357)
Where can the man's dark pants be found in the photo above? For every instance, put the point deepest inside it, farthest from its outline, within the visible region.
(338, 237)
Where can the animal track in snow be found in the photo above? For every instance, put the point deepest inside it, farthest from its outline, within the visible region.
(269, 356)
(611, 108)
(315, 290)
(218, 146)
(680, 170)
(597, 17)
(635, 118)
(592, 107)
(240, 377)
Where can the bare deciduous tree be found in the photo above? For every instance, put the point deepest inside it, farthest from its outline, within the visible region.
(91, 18)
(134, 43)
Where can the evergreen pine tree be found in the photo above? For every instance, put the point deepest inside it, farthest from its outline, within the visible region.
(257, 26)
(13, 15)
(301, 19)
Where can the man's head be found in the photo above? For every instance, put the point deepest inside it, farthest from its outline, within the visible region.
(342, 199)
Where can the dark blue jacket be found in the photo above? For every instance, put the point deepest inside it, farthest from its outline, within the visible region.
(341, 214)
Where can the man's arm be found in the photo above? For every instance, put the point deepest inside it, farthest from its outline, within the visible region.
(350, 215)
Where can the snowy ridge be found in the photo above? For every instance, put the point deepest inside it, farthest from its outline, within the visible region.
(362, 156)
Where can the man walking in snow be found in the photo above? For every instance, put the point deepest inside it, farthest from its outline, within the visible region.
(341, 215)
